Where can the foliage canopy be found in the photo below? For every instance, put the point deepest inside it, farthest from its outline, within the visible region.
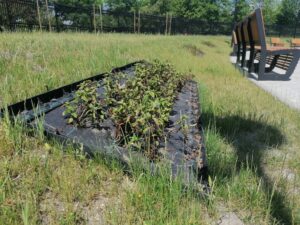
(275, 11)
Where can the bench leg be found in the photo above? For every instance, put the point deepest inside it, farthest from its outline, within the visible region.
(251, 59)
(244, 56)
(238, 53)
(262, 64)
(273, 64)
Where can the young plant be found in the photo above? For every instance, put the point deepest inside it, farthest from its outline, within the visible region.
(184, 126)
(140, 107)
(86, 109)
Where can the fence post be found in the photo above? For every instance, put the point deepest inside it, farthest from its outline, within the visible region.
(170, 26)
(134, 21)
(56, 19)
(48, 16)
(166, 30)
(279, 31)
(9, 16)
(94, 18)
(101, 22)
(38, 14)
(90, 11)
(139, 22)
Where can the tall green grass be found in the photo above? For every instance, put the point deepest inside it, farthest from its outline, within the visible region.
(252, 139)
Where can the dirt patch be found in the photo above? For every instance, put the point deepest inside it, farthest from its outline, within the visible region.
(6, 55)
(209, 44)
(230, 219)
(38, 68)
(227, 217)
(194, 50)
(94, 213)
(53, 209)
(29, 56)
(288, 175)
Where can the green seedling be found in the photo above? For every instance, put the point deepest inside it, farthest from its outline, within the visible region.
(141, 108)
(184, 126)
(86, 108)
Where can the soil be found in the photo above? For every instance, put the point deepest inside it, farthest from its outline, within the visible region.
(230, 219)
(194, 50)
(209, 44)
(92, 213)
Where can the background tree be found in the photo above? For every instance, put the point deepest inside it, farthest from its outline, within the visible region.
(271, 10)
(79, 2)
(197, 9)
(127, 5)
(289, 11)
(241, 9)
(159, 6)
(226, 10)
(269, 7)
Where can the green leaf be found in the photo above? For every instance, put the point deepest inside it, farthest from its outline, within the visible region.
(70, 120)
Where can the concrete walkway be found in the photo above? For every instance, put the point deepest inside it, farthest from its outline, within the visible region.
(286, 90)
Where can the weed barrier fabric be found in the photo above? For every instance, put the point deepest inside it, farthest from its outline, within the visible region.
(181, 147)
(184, 146)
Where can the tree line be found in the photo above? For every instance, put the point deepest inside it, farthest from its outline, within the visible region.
(281, 12)
(147, 16)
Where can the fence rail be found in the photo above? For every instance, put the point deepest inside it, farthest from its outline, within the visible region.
(29, 15)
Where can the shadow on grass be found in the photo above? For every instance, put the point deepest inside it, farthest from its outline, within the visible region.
(250, 138)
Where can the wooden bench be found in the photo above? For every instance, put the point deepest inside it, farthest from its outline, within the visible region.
(276, 42)
(243, 39)
(236, 31)
(234, 44)
(251, 35)
(295, 42)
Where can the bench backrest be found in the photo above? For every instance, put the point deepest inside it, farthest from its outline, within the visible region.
(276, 41)
(238, 33)
(234, 40)
(244, 30)
(257, 29)
(295, 42)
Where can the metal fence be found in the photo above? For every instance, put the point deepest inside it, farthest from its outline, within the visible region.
(29, 15)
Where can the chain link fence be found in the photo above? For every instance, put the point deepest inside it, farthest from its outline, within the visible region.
(30, 15)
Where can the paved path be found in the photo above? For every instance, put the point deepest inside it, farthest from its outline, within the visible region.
(287, 91)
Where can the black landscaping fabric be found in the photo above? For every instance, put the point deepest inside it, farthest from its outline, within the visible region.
(183, 149)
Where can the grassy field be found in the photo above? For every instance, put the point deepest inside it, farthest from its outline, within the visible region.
(252, 140)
